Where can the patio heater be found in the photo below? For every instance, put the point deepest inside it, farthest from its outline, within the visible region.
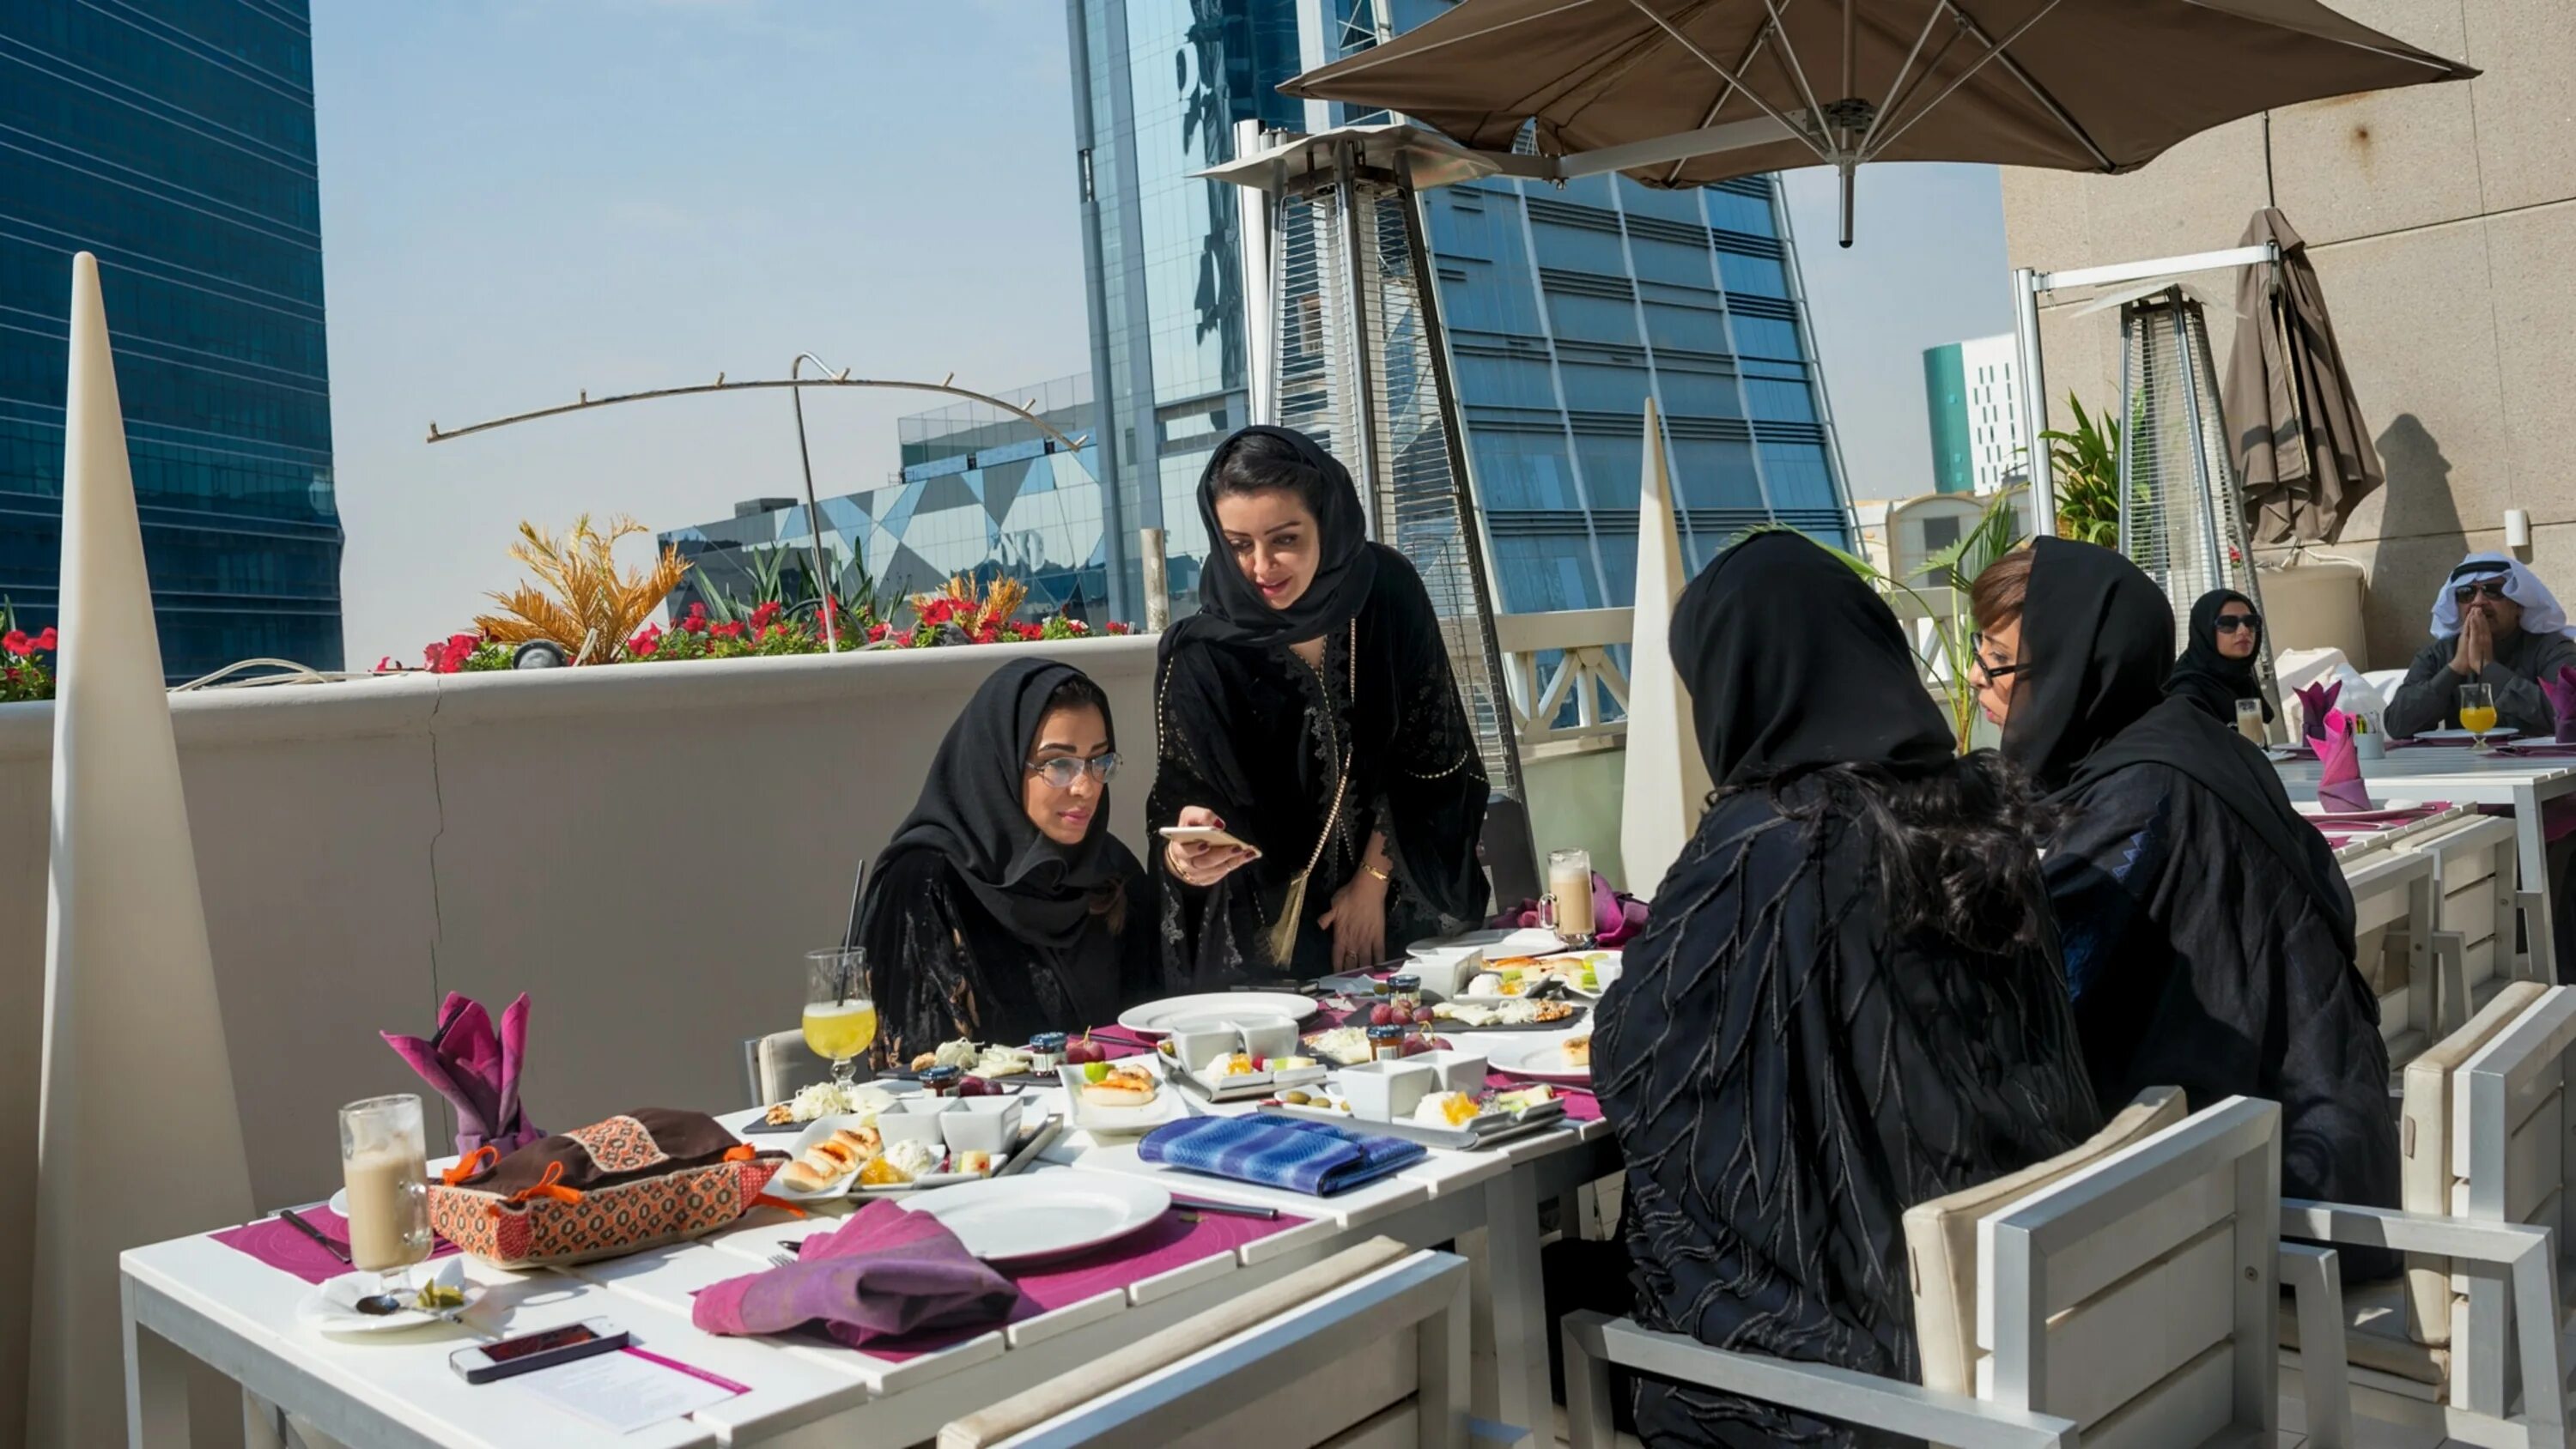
(2182, 513)
(1344, 331)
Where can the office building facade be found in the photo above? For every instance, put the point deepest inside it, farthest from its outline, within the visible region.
(981, 492)
(1566, 309)
(176, 142)
(1972, 396)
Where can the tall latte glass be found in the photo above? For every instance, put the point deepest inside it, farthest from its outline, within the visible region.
(384, 1160)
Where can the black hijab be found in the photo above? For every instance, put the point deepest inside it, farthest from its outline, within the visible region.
(2208, 678)
(1792, 661)
(1232, 611)
(971, 813)
(2096, 636)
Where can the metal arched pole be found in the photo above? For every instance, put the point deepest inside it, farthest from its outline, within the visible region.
(796, 384)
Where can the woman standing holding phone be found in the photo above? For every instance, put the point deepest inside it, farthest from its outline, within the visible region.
(1307, 712)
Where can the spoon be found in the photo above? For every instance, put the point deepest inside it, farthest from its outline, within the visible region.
(374, 1305)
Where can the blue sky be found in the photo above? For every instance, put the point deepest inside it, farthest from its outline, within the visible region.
(522, 200)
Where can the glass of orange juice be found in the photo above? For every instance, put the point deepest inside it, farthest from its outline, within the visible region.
(2478, 710)
(840, 1018)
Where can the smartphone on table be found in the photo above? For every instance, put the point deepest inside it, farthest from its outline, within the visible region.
(544, 1349)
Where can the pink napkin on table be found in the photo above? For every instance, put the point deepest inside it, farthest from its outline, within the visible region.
(2562, 701)
(2316, 702)
(885, 1273)
(2339, 784)
(477, 1070)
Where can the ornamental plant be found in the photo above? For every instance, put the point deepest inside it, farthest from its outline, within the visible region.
(581, 600)
(23, 675)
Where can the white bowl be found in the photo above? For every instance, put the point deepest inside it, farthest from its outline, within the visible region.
(916, 1119)
(1442, 972)
(982, 1124)
(1457, 1071)
(1385, 1091)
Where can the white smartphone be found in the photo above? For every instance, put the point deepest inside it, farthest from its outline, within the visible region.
(530, 1352)
(1209, 833)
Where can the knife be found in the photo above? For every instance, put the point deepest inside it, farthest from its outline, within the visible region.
(316, 1234)
(1044, 1139)
(1198, 1205)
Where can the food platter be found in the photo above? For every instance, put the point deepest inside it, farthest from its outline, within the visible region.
(1542, 1060)
(1159, 1018)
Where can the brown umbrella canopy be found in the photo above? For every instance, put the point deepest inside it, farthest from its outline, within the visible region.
(2300, 441)
(2080, 85)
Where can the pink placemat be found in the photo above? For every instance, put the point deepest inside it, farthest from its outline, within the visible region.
(1580, 1105)
(1172, 1242)
(2537, 752)
(283, 1248)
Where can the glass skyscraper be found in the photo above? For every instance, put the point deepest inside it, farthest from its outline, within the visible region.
(1566, 308)
(174, 140)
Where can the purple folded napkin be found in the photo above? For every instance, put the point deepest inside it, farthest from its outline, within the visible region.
(477, 1070)
(2316, 701)
(2562, 701)
(2339, 785)
(885, 1273)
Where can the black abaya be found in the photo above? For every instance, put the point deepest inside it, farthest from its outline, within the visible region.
(2208, 932)
(1785, 1072)
(1305, 762)
(978, 925)
(2209, 679)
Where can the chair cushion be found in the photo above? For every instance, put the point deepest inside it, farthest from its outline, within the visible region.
(1941, 1238)
(2424, 1140)
(2376, 1336)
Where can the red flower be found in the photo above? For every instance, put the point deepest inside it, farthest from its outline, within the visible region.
(763, 616)
(430, 656)
(1028, 631)
(645, 642)
(939, 611)
(876, 633)
(696, 623)
(47, 642)
(1115, 627)
(17, 642)
(385, 664)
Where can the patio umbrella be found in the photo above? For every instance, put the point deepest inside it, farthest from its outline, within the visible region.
(2304, 451)
(1691, 92)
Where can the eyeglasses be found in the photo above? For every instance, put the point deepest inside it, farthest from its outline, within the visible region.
(1986, 667)
(2230, 623)
(2492, 588)
(1063, 770)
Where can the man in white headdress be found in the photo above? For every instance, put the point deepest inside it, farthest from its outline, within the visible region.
(2494, 623)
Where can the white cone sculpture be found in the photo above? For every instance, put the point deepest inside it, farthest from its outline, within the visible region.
(131, 1024)
(1667, 782)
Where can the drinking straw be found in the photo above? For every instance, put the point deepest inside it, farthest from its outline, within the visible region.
(850, 935)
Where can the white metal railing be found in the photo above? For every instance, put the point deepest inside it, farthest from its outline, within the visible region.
(1583, 672)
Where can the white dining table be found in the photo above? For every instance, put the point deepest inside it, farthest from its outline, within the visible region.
(2464, 777)
(195, 1297)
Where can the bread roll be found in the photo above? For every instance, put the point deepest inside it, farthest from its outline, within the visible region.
(805, 1179)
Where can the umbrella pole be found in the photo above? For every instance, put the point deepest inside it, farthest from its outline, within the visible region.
(1847, 169)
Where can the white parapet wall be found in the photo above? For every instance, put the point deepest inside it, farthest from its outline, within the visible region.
(647, 850)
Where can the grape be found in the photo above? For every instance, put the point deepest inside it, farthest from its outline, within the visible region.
(1095, 1072)
(1422, 1016)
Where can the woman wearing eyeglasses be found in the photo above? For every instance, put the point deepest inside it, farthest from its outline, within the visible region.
(2494, 623)
(1003, 907)
(2219, 659)
(2207, 931)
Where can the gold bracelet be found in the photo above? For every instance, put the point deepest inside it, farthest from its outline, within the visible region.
(1384, 877)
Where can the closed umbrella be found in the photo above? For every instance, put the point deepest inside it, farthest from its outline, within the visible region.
(2301, 445)
(1691, 92)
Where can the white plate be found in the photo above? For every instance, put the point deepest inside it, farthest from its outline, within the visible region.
(1541, 1058)
(323, 1316)
(2500, 732)
(1017, 1219)
(1166, 1106)
(819, 1129)
(340, 1203)
(1156, 1018)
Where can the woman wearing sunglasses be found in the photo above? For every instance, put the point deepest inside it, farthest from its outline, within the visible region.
(1003, 907)
(2494, 623)
(2218, 661)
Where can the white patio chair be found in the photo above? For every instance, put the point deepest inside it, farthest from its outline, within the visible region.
(2124, 1295)
(2448, 1346)
(1367, 1348)
(775, 1067)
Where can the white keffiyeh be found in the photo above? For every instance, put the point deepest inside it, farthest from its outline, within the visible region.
(2540, 611)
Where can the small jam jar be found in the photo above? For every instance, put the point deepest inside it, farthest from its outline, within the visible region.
(942, 1081)
(1046, 1051)
(1386, 1043)
(1405, 992)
